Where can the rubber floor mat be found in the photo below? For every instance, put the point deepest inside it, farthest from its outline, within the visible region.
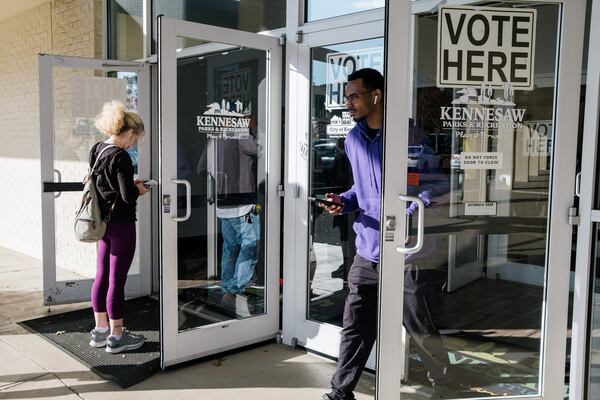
(70, 332)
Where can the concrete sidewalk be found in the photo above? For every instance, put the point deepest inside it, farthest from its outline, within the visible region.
(31, 368)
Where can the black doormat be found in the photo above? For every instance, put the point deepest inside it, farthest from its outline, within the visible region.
(70, 332)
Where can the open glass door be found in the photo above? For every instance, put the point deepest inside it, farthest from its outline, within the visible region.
(72, 91)
(220, 151)
(321, 247)
(585, 346)
(485, 295)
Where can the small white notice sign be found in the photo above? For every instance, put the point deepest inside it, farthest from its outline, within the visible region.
(480, 208)
(88, 94)
(481, 160)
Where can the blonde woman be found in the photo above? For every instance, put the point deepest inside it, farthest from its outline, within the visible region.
(118, 193)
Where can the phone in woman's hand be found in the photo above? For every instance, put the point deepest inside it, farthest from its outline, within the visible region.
(150, 183)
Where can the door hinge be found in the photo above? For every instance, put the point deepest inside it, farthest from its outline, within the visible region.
(282, 39)
(572, 216)
(299, 36)
(280, 191)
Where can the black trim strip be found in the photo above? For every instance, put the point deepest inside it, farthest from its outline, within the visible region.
(62, 187)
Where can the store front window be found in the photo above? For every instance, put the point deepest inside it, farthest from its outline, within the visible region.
(245, 15)
(319, 9)
(125, 22)
(125, 29)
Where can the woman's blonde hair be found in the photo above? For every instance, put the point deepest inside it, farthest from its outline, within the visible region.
(114, 120)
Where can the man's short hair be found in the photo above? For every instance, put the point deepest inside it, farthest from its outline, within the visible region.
(372, 79)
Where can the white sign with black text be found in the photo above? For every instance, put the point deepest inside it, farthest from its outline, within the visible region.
(486, 45)
(537, 139)
(480, 208)
(340, 65)
(480, 160)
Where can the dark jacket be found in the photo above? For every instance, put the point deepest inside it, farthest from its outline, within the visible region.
(236, 170)
(114, 180)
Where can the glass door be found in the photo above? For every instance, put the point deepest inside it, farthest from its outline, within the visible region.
(585, 347)
(480, 263)
(320, 254)
(72, 91)
(220, 162)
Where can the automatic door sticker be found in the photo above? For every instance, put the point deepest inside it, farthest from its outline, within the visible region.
(480, 208)
(228, 120)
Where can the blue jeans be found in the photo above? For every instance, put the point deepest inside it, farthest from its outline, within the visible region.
(240, 251)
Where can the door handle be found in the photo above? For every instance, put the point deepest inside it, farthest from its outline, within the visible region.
(58, 180)
(188, 199)
(420, 226)
(210, 196)
(578, 184)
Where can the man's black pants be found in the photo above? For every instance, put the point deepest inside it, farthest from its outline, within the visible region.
(360, 323)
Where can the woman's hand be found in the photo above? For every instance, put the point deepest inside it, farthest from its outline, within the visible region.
(334, 210)
(143, 189)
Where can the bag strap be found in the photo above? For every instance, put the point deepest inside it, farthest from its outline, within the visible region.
(93, 169)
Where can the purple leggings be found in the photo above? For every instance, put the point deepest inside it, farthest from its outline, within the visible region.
(115, 254)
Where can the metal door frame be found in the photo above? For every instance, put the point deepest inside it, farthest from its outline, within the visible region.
(178, 346)
(588, 215)
(73, 291)
(554, 327)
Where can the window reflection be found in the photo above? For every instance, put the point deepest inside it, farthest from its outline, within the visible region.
(331, 241)
(318, 9)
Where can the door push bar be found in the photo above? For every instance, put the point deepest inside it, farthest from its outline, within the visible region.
(420, 226)
(188, 199)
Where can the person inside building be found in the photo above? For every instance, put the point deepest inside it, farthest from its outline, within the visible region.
(238, 214)
(364, 147)
(118, 194)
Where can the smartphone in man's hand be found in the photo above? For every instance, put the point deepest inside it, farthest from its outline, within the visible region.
(325, 201)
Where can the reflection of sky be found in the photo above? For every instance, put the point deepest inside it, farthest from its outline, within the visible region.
(319, 9)
(319, 71)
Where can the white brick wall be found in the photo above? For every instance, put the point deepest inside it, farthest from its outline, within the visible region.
(66, 27)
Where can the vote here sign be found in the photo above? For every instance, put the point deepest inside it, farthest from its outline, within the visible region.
(340, 65)
(486, 45)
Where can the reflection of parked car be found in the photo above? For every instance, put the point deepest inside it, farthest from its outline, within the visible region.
(325, 152)
(455, 161)
(328, 162)
(423, 158)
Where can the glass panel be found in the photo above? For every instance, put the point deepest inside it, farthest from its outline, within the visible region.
(221, 100)
(318, 9)
(125, 29)
(480, 159)
(78, 98)
(331, 238)
(246, 15)
(593, 389)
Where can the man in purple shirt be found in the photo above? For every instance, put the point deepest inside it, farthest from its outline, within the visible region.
(364, 147)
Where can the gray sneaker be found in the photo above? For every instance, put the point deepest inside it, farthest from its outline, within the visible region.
(128, 341)
(98, 339)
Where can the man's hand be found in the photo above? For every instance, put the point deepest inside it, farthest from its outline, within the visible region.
(334, 210)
